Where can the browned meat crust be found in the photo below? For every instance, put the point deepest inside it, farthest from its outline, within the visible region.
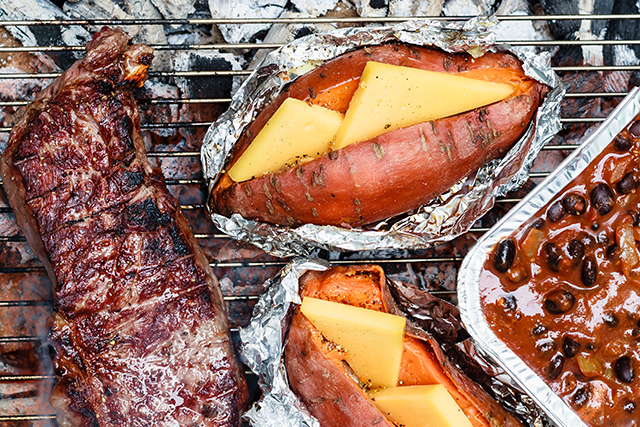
(139, 327)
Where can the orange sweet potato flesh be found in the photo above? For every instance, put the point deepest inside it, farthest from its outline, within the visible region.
(319, 375)
(394, 172)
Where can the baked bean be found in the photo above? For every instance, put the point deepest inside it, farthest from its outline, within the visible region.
(610, 319)
(553, 256)
(505, 253)
(581, 396)
(589, 271)
(570, 347)
(555, 212)
(627, 184)
(623, 142)
(574, 204)
(625, 370)
(602, 199)
(634, 129)
(559, 302)
(554, 369)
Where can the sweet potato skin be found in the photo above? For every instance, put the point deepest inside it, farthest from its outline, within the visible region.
(323, 381)
(390, 174)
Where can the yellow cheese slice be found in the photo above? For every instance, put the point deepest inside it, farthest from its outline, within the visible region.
(373, 340)
(391, 97)
(420, 406)
(296, 131)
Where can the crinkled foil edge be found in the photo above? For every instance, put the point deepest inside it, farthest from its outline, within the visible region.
(450, 215)
(262, 348)
(493, 349)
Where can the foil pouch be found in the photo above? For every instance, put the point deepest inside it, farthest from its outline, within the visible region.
(444, 218)
(262, 345)
(493, 349)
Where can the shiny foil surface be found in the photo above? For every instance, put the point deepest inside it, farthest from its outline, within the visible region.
(493, 349)
(447, 216)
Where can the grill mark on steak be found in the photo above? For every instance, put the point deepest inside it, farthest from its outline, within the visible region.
(139, 329)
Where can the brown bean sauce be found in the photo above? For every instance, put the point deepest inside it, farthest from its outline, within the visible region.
(572, 277)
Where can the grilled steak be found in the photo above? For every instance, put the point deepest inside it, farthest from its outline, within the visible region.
(139, 327)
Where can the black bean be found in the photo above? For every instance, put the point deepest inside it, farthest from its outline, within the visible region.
(539, 330)
(610, 319)
(625, 370)
(629, 407)
(602, 199)
(587, 239)
(589, 271)
(508, 302)
(574, 204)
(570, 347)
(613, 251)
(559, 302)
(581, 396)
(595, 226)
(546, 347)
(538, 223)
(603, 238)
(635, 332)
(635, 216)
(555, 366)
(623, 143)
(634, 129)
(575, 250)
(553, 256)
(555, 212)
(505, 253)
(627, 184)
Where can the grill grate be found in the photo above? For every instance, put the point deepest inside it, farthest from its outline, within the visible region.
(242, 268)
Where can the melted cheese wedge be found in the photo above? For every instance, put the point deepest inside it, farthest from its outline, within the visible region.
(296, 132)
(391, 97)
(420, 406)
(373, 340)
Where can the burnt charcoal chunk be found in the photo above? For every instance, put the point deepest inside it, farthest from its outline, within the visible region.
(602, 199)
(559, 302)
(554, 369)
(505, 254)
(625, 370)
(179, 246)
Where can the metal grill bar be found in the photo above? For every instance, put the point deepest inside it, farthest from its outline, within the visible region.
(332, 20)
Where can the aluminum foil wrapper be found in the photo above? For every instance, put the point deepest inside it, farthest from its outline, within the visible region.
(494, 350)
(262, 348)
(446, 217)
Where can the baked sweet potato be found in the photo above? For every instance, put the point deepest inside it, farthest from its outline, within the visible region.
(330, 389)
(392, 173)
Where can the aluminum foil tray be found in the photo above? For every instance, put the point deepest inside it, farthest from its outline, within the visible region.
(469, 277)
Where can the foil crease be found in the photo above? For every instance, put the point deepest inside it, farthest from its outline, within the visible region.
(443, 219)
(262, 348)
(493, 349)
